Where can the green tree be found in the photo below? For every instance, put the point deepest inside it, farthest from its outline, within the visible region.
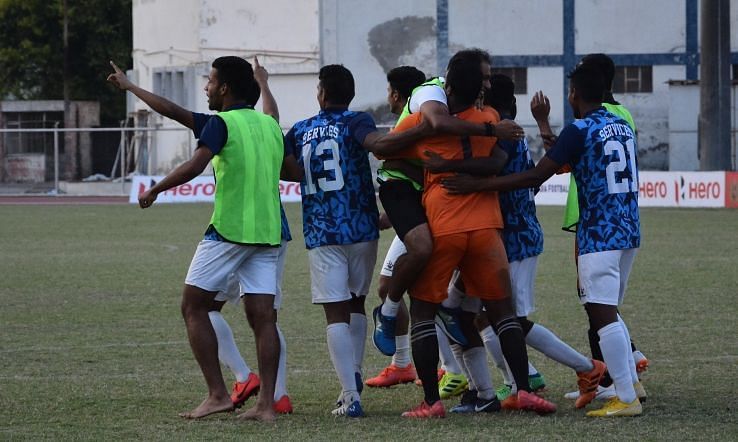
(32, 50)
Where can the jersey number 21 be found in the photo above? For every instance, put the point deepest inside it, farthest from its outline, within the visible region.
(623, 185)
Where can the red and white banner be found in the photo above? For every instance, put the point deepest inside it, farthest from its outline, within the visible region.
(662, 189)
(656, 189)
(200, 189)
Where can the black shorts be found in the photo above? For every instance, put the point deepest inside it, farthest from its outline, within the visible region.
(403, 205)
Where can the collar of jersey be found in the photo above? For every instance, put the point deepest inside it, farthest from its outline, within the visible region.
(599, 109)
(335, 109)
(239, 106)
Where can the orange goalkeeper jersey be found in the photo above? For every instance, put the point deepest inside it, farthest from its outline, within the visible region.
(446, 213)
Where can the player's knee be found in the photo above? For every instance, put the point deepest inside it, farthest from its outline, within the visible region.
(526, 324)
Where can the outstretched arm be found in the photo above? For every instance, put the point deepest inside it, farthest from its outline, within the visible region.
(159, 104)
(459, 184)
(182, 174)
(395, 141)
(268, 103)
(479, 166)
(442, 122)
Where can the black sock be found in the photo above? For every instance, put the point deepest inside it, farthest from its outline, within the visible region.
(512, 342)
(424, 344)
(594, 346)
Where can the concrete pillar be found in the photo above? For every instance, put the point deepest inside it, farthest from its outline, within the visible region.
(714, 125)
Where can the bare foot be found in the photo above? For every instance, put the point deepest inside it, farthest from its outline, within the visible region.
(258, 414)
(209, 406)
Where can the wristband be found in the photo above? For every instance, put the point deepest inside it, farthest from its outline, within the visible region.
(489, 129)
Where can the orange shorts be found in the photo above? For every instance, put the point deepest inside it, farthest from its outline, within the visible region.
(480, 257)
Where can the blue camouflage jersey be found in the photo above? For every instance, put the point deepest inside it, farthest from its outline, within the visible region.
(522, 235)
(601, 149)
(338, 200)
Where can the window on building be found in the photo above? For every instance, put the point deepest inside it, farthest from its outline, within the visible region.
(735, 72)
(171, 85)
(633, 79)
(518, 75)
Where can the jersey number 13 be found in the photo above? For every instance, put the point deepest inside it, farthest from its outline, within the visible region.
(333, 164)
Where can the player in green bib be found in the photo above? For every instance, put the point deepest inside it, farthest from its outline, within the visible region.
(244, 233)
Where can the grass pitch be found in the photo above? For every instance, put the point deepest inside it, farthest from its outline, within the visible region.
(92, 345)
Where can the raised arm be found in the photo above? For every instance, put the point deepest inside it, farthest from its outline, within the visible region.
(442, 122)
(159, 104)
(540, 107)
(268, 103)
(479, 166)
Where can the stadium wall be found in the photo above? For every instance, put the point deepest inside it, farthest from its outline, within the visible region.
(545, 39)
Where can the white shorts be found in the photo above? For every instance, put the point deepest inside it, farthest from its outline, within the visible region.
(337, 272)
(255, 268)
(523, 280)
(232, 293)
(603, 276)
(396, 249)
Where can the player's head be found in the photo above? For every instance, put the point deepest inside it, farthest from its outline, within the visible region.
(586, 88)
(501, 95)
(485, 63)
(231, 78)
(400, 84)
(464, 78)
(604, 64)
(336, 86)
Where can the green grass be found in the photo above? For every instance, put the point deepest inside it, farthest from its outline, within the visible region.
(92, 345)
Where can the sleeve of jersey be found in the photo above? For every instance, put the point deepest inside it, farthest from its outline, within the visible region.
(214, 135)
(361, 126)
(200, 121)
(427, 93)
(290, 146)
(569, 146)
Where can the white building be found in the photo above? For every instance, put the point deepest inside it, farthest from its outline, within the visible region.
(535, 41)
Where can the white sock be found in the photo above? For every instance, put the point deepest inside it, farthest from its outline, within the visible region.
(227, 350)
(341, 349)
(448, 361)
(492, 344)
(357, 326)
(401, 358)
(458, 352)
(615, 351)
(545, 341)
(475, 360)
(631, 358)
(454, 299)
(390, 307)
(280, 387)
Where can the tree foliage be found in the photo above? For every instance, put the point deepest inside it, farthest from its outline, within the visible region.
(32, 50)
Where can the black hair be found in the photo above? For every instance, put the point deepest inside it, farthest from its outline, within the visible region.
(464, 77)
(338, 84)
(404, 79)
(604, 64)
(588, 82)
(481, 55)
(238, 74)
(501, 95)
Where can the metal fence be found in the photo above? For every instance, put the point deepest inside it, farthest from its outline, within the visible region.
(134, 146)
